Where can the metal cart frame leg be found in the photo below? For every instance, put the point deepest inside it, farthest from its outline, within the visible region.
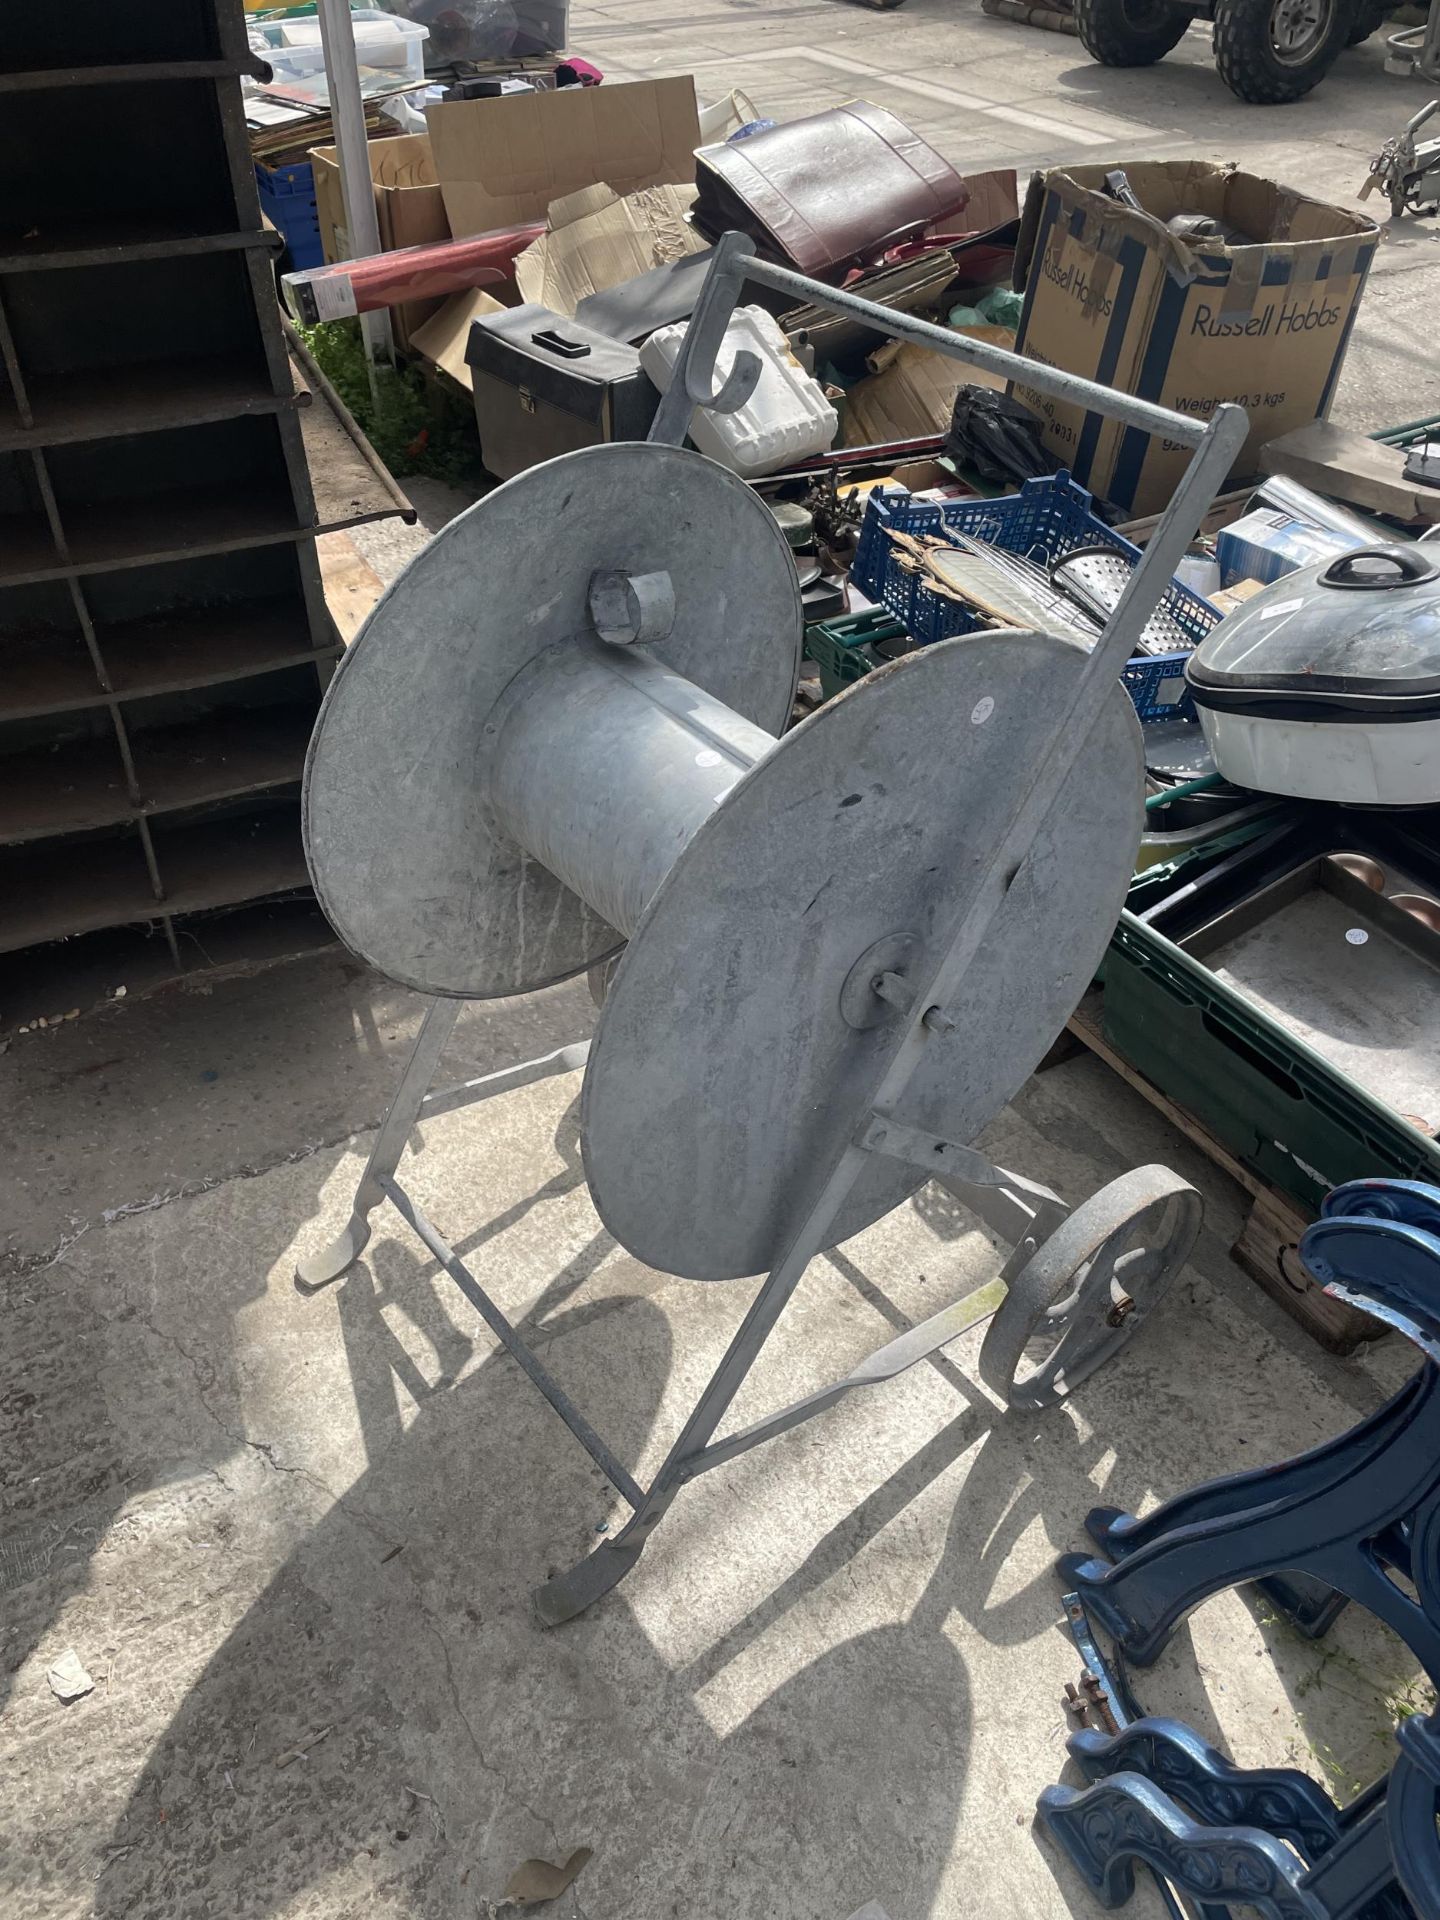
(1020, 1211)
(879, 1125)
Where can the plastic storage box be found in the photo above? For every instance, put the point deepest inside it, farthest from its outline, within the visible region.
(483, 30)
(544, 385)
(1277, 1104)
(1293, 1116)
(390, 52)
(785, 419)
(287, 199)
(847, 648)
(1047, 519)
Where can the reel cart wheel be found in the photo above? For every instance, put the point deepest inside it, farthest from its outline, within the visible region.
(1090, 1286)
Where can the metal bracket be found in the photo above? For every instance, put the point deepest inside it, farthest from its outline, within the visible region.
(1019, 1210)
(929, 1151)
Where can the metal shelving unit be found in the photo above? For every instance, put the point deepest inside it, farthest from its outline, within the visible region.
(109, 883)
(164, 640)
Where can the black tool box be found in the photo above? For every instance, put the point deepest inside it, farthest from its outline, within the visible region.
(546, 385)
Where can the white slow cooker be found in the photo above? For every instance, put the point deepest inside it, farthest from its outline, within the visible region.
(1326, 685)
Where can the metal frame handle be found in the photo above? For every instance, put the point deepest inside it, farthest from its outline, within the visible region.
(734, 263)
(1216, 442)
(692, 382)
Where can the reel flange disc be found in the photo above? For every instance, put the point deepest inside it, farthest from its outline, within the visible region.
(728, 1065)
(408, 862)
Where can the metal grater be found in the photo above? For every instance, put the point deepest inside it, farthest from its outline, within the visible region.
(1095, 577)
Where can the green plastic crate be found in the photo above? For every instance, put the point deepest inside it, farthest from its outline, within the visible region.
(1153, 883)
(842, 647)
(1282, 1108)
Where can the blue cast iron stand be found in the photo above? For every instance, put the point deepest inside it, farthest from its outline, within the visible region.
(1326, 1526)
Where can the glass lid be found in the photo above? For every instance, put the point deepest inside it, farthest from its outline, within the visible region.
(1367, 624)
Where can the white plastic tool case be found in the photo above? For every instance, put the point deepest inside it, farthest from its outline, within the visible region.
(785, 419)
(1327, 684)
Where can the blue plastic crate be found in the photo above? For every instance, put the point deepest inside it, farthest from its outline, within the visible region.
(287, 196)
(1047, 519)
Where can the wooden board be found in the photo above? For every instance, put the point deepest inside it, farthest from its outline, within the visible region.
(1269, 1250)
(351, 587)
(1222, 510)
(1349, 466)
(1269, 1244)
(348, 488)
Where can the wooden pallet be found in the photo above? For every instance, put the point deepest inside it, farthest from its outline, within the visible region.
(351, 585)
(1268, 1247)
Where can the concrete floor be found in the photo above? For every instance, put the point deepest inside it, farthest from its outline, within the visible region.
(292, 1539)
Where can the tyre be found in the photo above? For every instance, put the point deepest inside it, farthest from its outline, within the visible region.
(1367, 20)
(1270, 51)
(1129, 33)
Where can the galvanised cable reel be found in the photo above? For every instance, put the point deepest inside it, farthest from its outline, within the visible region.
(831, 954)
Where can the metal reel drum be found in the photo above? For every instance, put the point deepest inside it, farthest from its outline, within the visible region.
(741, 1037)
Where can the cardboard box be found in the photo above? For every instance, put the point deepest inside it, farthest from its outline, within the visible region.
(925, 478)
(1267, 544)
(1112, 295)
(503, 161)
(443, 337)
(992, 219)
(599, 239)
(911, 391)
(1231, 599)
(408, 206)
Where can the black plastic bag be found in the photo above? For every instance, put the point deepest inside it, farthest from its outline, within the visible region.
(996, 437)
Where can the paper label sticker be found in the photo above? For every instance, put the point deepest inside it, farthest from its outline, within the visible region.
(981, 711)
(1280, 606)
(334, 296)
(1357, 936)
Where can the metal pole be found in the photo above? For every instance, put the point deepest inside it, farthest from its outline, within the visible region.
(385, 1151)
(975, 353)
(415, 1218)
(318, 384)
(347, 111)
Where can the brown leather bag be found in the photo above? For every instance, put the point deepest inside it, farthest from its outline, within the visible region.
(828, 192)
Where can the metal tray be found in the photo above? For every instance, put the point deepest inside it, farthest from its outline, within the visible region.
(1341, 967)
